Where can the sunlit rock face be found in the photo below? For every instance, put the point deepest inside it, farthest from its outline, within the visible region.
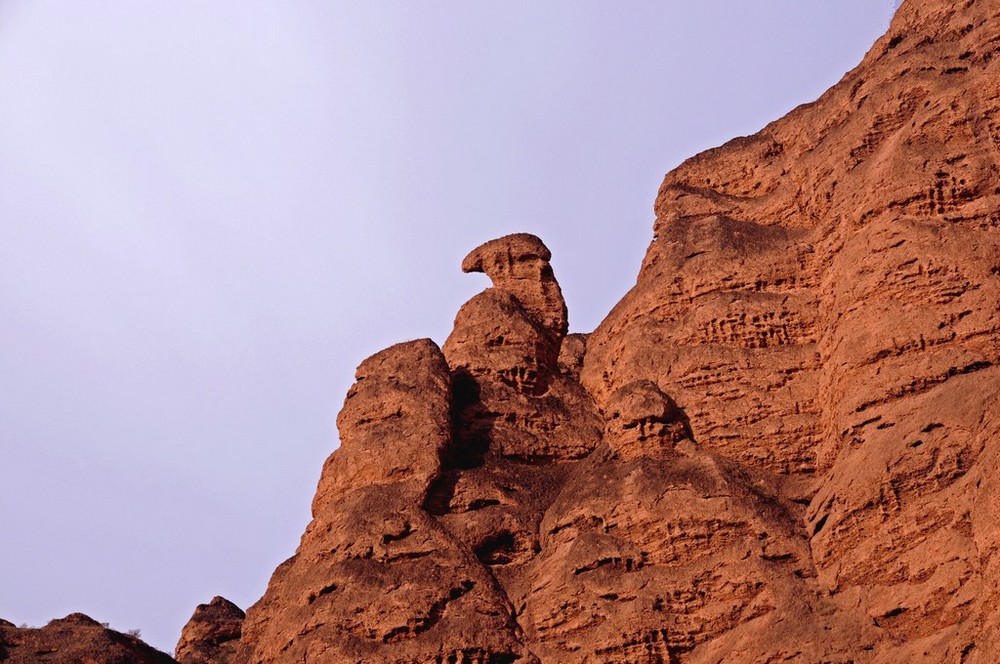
(519, 265)
(781, 445)
(512, 397)
(821, 301)
(377, 578)
(643, 421)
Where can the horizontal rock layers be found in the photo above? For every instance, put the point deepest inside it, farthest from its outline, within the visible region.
(781, 445)
(821, 300)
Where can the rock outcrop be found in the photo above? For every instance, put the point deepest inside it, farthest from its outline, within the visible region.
(74, 639)
(377, 578)
(821, 300)
(781, 445)
(519, 264)
(212, 633)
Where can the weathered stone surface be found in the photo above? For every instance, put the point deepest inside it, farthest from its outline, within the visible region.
(512, 398)
(782, 445)
(212, 633)
(646, 558)
(519, 264)
(496, 339)
(75, 639)
(821, 299)
(376, 578)
(643, 421)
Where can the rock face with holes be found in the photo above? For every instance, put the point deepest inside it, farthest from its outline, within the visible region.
(782, 444)
(212, 633)
(74, 639)
(821, 301)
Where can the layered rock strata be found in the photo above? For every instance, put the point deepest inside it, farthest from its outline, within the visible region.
(484, 483)
(781, 444)
(821, 299)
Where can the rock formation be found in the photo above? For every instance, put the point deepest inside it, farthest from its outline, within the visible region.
(783, 444)
(212, 634)
(75, 639)
(519, 264)
(377, 577)
(780, 445)
(821, 300)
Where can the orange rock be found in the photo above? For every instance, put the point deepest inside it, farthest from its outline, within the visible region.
(74, 639)
(779, 446)
(519, 264)
(212, 633)
(377, 578)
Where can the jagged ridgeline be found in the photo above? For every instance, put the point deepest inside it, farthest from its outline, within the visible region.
(783, 444)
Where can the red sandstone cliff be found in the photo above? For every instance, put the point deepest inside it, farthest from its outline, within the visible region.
(781, 445)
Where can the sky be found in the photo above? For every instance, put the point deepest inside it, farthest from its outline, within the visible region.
(211, 212)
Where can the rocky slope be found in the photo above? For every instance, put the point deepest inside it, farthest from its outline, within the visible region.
(75, 639)
(781, 445)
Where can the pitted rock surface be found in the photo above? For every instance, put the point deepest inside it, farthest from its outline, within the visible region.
(651, 558)
(497, 340)
(512, 397)
(643, 421)
(783, 444)
(821, 300)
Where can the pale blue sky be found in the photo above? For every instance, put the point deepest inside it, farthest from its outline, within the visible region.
(211, 212)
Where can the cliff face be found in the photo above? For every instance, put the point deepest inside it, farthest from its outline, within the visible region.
(821, 299)
(782, 444)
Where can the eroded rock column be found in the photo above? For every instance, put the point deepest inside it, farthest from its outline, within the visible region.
(376, 578)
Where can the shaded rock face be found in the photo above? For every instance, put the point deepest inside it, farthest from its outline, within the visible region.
(74, 639)
(212, 633)
(782, 444)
